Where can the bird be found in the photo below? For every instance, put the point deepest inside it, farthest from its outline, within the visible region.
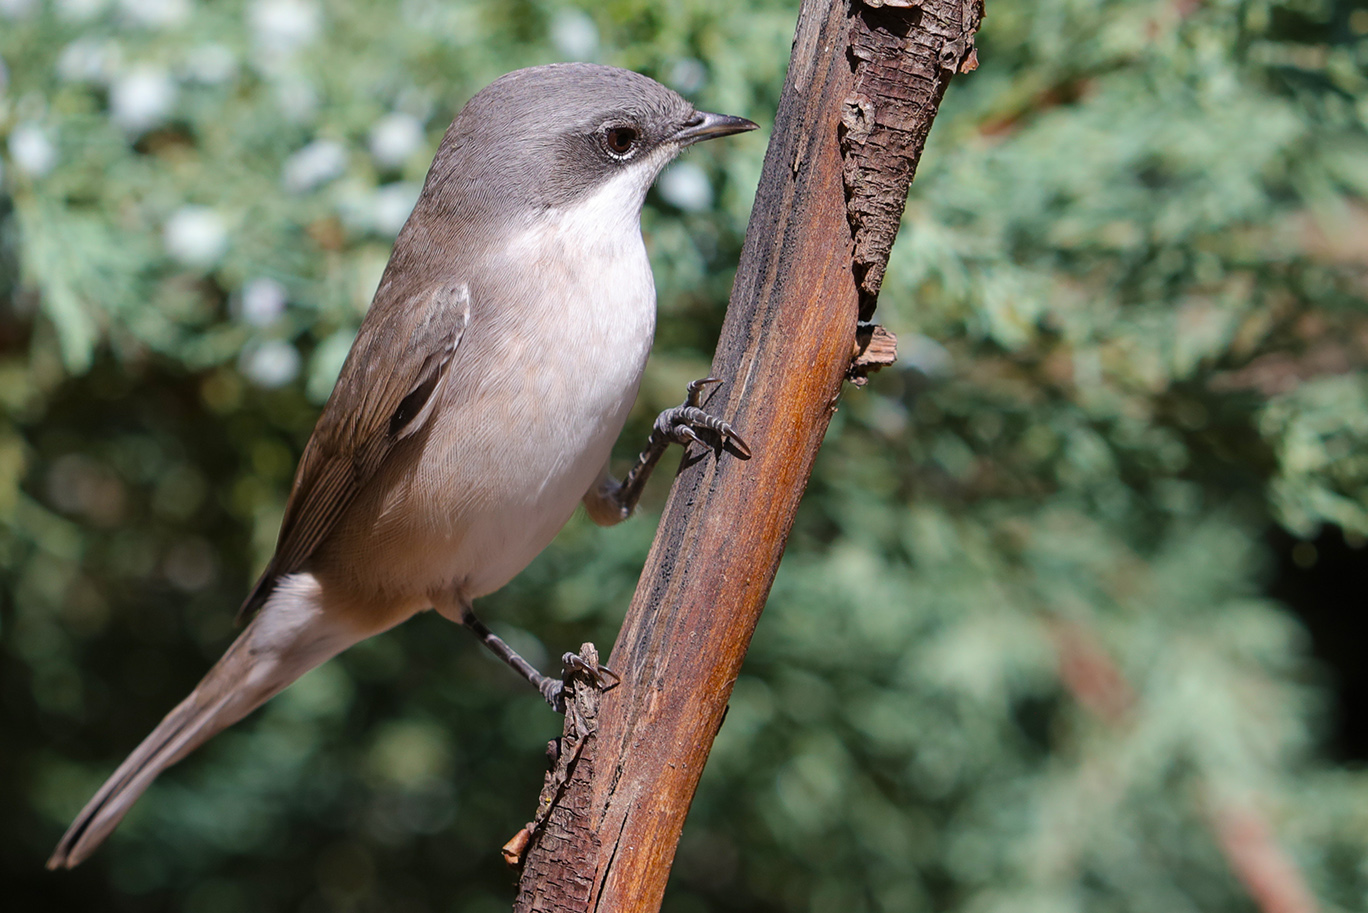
(478, 406)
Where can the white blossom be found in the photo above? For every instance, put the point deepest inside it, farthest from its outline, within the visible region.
(263, 301)
(687, 186)
(574, 34)
(392, 205)
(93, 60)
(196, 236)
(272, 364)
(395, 137)
(284, 26)
(315, 164)
(80, 10)
(924, 354)
(211, 64)
(687, 76)
(17, 9)
(297, 98)
(156, 13)
(32, 150)
(142, 98)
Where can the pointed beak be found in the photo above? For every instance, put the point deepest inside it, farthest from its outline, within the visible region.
(707, 126)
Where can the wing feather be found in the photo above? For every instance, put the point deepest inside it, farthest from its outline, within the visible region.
(386, 391)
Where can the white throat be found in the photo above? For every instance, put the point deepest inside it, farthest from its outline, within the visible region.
(612, 211)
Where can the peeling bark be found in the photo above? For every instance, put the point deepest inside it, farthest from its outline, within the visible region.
(903, 54)
(553, 846)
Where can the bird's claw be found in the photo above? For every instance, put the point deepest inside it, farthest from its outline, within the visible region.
(555, 690)
(695, 389)
(682, 423)
(603, 677)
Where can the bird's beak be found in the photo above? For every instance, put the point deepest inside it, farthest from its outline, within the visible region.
(706, 126)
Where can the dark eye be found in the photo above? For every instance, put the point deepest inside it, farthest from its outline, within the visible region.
(620, 140)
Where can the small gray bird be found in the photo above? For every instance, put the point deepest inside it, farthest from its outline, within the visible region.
(480, 401)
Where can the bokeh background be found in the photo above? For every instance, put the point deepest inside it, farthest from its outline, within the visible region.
(1073, 617)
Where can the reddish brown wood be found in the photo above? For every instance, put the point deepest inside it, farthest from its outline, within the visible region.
(787, 343)
(904, 53)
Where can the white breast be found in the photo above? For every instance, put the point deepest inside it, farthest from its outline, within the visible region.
(532, 408)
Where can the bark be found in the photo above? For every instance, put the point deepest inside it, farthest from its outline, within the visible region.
(864, 83)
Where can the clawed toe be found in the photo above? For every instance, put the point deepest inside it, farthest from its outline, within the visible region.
(685, 424)
(738, 444)
(684, 434)
(682, 423)
(695, 390)
(603, 677)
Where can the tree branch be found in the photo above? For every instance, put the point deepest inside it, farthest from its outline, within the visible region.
(864, 84)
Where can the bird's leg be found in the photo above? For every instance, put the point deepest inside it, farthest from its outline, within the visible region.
(552, 689)
(679, 425)
(611, 500)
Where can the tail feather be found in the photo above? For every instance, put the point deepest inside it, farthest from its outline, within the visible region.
(288, 638)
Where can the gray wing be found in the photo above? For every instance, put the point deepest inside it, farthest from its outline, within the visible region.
(386, 392)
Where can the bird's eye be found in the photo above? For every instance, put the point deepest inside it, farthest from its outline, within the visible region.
(620, 140)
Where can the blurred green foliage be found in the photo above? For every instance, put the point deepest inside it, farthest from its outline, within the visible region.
(1020, 655)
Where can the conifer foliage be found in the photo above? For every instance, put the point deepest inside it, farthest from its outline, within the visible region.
(1022, 654)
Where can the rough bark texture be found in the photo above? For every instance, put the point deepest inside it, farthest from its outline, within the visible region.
(553, 877)
(903, 54)
(827, 191)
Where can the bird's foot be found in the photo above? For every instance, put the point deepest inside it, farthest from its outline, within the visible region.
(682, 424)
(612, 501)
(573, 665)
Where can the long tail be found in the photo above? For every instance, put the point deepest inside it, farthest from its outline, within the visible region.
(291, 635)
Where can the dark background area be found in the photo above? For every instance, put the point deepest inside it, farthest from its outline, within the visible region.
(1321, 580)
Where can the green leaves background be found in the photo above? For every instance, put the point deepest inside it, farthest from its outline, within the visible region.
(1022, 653)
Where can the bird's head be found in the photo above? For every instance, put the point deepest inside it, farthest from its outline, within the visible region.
(547, 137)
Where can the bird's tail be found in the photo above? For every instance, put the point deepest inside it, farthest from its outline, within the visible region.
(290, 636)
